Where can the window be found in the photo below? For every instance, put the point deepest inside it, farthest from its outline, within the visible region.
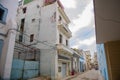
(3, 14)
(60, 18)
(20, 38)
(22, 21)
(24, 10)
(31, 37)
(22, 29)
(66, 42)
(38, 6)
(59, 69)
(22, 24)
(33, 20)
(60, 38)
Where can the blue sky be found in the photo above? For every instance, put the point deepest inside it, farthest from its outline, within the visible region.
(81, 14)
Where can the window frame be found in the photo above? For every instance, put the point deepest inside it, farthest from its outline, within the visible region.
(60, 38)
(31, 37)
(22, 25)
(66, 42)
(24, 10)
(3, 20)
(33, 20)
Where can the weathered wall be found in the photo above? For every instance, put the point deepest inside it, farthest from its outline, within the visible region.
(49, 63)
(107, 20)
(113, 54)
(102, 61)
(8, 46)
(33, 11)
(48, 29)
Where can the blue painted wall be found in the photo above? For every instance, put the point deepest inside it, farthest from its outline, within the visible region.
(1, 46)
(102, 60)
(81, 64)
(24, 70)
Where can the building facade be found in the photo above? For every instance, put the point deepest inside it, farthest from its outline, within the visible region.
(8, 27)
(75, 62)
(81, 60)
(88, 60)
(102, 61)
(107, 22)
(46, 25)
(95, 61)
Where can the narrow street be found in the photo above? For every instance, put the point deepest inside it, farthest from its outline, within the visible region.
(89, 75)
(59, 40)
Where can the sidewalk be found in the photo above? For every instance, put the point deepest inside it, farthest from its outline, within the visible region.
(47, 78)
(72, 76)
(89, 75)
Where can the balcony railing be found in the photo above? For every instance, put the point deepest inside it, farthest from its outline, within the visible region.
(64, 28)
(64, 48)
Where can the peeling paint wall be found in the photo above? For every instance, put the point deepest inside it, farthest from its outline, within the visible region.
(8, 46)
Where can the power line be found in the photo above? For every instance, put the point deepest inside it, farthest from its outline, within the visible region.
(37, 41)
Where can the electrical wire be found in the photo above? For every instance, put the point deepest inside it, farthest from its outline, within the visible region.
(37, 41)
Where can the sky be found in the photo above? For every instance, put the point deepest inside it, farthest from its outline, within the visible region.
(81, 14)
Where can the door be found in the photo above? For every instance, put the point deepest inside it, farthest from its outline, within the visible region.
(64, 66)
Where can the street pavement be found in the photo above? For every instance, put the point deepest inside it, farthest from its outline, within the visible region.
(89, 75)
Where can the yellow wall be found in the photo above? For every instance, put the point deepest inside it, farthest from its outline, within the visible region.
(113, 59)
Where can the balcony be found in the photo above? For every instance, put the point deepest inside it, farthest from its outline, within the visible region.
(64, 29)
(64, 49)
(62, 12)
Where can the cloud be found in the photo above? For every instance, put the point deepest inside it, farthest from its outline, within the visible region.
(87, 44)
(69, 3)
(85, 32)
(82, 19)
(82, 23)
(88, 41)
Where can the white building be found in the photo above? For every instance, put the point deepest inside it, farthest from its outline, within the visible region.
(75, 62)
(95, 60)
(88, 60)
(46, 23)
(7, 36)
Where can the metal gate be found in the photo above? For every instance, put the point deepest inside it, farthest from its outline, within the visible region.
(26, 62)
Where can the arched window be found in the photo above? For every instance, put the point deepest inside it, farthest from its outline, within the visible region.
(3, 14)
